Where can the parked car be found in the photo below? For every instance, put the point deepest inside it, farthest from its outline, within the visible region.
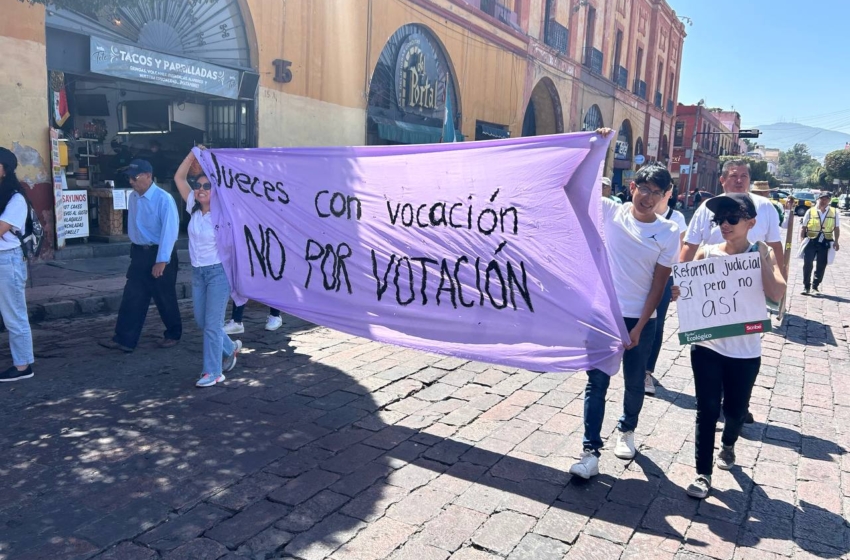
(805, 200)
(779, 196)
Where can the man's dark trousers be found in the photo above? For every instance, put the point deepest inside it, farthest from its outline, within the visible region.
(814, 251)
(141, 286)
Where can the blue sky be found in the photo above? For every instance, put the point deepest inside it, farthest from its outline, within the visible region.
(773, 60)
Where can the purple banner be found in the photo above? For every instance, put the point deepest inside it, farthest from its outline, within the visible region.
(489, 251)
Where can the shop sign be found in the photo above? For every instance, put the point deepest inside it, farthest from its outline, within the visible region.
(420, 85)
(621, 150)
(639, 159)
(58, 206)
(142, 65)
(75, 215)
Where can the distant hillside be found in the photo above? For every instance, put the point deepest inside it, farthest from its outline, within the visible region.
(784, 135)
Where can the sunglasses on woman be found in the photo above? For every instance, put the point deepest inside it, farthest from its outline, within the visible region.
(731, 219)
(205, 186)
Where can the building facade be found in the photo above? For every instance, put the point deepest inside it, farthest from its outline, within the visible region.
(699, 139)
(154, 78)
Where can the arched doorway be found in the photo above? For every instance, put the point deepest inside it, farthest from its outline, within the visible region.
(544, 114)
(412, 88)
(622, 156)
(639, 149)
(593, 119)
(664, 154)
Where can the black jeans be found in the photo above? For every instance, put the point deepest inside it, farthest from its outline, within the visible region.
(717, 376)
(141, 286)
(814, 251)
(239, 312)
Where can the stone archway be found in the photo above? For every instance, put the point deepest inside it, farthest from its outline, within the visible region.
(544, 113)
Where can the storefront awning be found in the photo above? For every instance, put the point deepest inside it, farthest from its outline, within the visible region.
(493, 131)
(408, 133)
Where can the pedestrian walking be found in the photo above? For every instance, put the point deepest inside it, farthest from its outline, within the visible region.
(642, 249)
(735, 178)
(14, 208)
(762, 188)
(607, 192)
(152, 225)
(210, 287)
(664, 210)
(819, 234)
(727, 368)
(235, 325)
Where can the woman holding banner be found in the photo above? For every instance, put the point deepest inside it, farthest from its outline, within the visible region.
(726, 368)
(210, 288)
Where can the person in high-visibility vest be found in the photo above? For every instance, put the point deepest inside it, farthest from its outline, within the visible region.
(821, 229)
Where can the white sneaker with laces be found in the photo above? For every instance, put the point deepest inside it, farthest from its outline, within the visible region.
(625, 448)
(649, 384)
(232, 327)
(273, 323)
(587, 466)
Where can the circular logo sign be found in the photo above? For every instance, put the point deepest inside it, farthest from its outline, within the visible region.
(639, 159)
(420, 87)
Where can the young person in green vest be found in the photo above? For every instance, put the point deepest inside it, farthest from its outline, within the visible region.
(821, 229)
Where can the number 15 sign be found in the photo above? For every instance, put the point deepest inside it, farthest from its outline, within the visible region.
(720, 298)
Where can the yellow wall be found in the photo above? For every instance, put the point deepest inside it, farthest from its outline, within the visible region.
(334, 47)
(23, 90)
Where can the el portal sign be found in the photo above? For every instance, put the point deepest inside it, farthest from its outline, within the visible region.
(141, 65)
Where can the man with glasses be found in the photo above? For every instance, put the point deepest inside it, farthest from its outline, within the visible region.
(735, 178)
(642, 249)
(153, 224)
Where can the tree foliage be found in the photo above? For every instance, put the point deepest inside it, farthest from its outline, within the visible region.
(819, 179)
(797, 164)
(837, 164)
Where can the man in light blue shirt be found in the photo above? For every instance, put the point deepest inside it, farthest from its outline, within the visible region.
(153, 223)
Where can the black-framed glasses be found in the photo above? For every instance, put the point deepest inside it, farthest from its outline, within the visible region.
(646, 191)
(205, 186)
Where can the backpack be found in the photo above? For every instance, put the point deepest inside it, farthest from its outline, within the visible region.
(32, 238)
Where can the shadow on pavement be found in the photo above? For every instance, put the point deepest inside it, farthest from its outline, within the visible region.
(295, 455)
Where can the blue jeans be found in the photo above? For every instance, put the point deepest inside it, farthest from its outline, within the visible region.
(210, 294)
(663, 305)
(13, 305)
(634, 373)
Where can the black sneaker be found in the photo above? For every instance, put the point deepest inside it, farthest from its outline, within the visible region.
(12, 374)
(749, 419)
(815, 291)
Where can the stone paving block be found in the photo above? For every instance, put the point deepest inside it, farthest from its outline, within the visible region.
(447, 451)
(131, 520)
(183, 528)
(265, 544)
(389, 437)
(343, 439)
(67, 548)
(376, 541)
(715, 539)
(303, 487)
(776, 475)
(128, 551)
(503, 531)
(451, 528)
(650, 546)
(484, 497)
(436, 392)
(458, 478)
(564, 522)
(303, 460)
(324, 538)
(417, 551)
(591, 548)
(247, 523)
(312, 511)
(615, 522)
(539, 547)
(531, 497)
(670, 516)
(364, 477)
(420, 505)
(197, 549)
(373, 502)
(771, 534)
(470, 553)
(825, 527)
(247, 491)
(352, 459)
(416, 474)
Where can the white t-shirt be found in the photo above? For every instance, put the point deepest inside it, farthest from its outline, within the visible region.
(703, 232)
(202, 249)
(746, 346)
(677, 218)
(822, 215)
(634, 248)
(15, 215)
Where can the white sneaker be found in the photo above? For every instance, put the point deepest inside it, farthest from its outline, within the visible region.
(625, 448)
(587, 466)
(273, 323)
(649, 384)
(232, 327)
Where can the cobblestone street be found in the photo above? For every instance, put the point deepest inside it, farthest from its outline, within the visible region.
(323, 445)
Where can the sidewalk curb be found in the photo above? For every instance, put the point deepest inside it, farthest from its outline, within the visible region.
(108, 302)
